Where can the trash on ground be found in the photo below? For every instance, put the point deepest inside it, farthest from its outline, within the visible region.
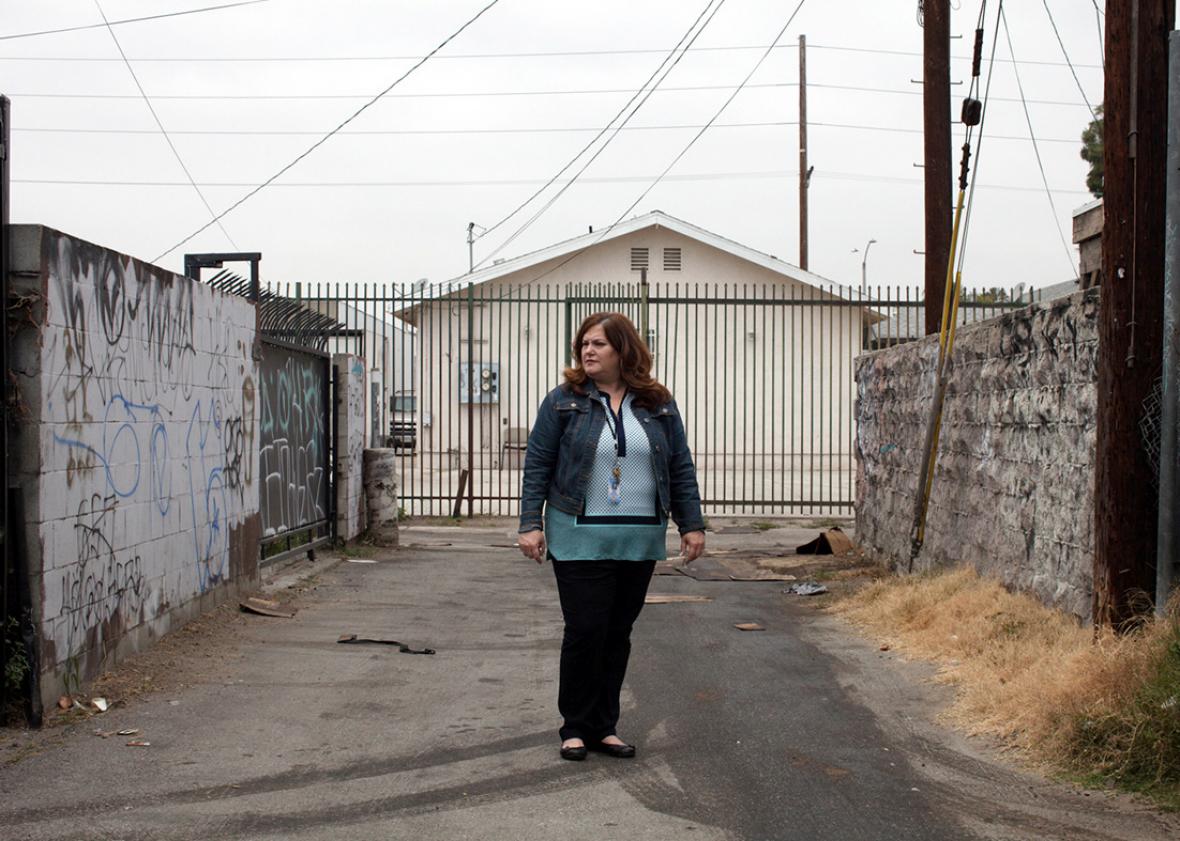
(748, 626)
(402, 647)
(361, 561)
(669, 598)
(830, 542)
(806, 588)
(104, 734)
(65, 702)
(262, 610)
(139, 743)
(100, 704)
(261, 602)
(130, 731)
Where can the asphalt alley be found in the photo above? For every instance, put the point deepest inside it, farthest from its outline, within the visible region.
(802, 730)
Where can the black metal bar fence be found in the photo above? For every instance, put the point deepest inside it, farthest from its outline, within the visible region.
(763, 375)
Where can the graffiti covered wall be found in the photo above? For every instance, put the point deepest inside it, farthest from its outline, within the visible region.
(139, 455)
(1013, 489)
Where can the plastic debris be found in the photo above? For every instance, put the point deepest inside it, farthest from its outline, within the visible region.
(668, 598)
(360, 561)
(100, 704)
(806, 588)
(130, 731)
(139, 743)
(65, 702)
(748, 626)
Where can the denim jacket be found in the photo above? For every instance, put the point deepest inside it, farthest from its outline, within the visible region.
(560, 457)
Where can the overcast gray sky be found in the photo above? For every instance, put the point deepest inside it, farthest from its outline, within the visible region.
(389, 199)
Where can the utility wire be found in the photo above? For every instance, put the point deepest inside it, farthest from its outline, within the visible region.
(547, 54)
(175, 152)
(682, 153)
(456, 94)
(129, 20)
(666, 66)
(668, 57)
(1065, 53)
(1036, 149)
(518, 130)
(513, 182)
(325, 138)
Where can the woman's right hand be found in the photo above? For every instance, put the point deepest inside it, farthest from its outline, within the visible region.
(532, 545)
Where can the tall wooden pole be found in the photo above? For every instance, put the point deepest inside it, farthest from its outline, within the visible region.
(804, 174)
(936, 98)
(1130, 322)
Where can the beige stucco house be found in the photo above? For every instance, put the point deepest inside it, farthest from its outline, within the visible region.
(757, 351)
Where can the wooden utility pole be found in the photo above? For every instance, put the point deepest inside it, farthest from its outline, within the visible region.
(804, 173)
(936, 98)
(1130, 323)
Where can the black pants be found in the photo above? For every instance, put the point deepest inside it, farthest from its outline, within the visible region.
(600, 601)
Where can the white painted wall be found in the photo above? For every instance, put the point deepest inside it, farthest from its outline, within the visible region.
(763, 386)
(139, 456)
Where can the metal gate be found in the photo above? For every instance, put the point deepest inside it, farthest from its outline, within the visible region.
(294, 428)
(763, 374)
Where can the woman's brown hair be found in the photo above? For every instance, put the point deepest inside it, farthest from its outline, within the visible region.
(634, 359)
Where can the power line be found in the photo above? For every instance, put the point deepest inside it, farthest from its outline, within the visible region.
(1065, 53)
(147, 101)
(670, 61)
(516, 130)
(514, 182)
(1036, 149)
(683, 151)
(325, 138)
(459, 94)
(130, 20)
(534, 54)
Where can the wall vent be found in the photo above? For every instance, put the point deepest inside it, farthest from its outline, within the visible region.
(639, 259)
(671, 259)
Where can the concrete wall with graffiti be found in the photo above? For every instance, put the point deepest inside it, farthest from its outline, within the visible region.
(137, 453)
(1013, 489)
(350, 445)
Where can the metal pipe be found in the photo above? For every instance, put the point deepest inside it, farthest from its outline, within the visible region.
(1166, 552)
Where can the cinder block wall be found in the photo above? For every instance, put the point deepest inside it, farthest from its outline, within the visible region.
(350, 445)
(1013, 490)
(136, 452)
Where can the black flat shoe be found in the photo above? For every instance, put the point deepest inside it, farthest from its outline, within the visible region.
(617, 751)
(574, 754)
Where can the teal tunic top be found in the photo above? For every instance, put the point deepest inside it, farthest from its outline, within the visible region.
(622, 526)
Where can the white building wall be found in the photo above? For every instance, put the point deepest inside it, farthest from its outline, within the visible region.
(764, 385)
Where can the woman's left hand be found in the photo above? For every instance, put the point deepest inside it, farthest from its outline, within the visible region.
(692, 544)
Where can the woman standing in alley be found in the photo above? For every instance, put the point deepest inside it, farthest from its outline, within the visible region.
(608, 461)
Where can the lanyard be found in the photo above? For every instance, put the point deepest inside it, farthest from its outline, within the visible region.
(617, 430)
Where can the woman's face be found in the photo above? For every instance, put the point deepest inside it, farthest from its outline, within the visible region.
(600, 361)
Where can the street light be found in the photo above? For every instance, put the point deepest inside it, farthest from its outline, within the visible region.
(864, 267)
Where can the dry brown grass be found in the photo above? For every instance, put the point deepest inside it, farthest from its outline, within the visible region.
(1101, 705)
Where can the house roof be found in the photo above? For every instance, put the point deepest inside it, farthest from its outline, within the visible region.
(656, 218)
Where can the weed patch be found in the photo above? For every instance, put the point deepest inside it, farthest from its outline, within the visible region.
(1091, 704)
